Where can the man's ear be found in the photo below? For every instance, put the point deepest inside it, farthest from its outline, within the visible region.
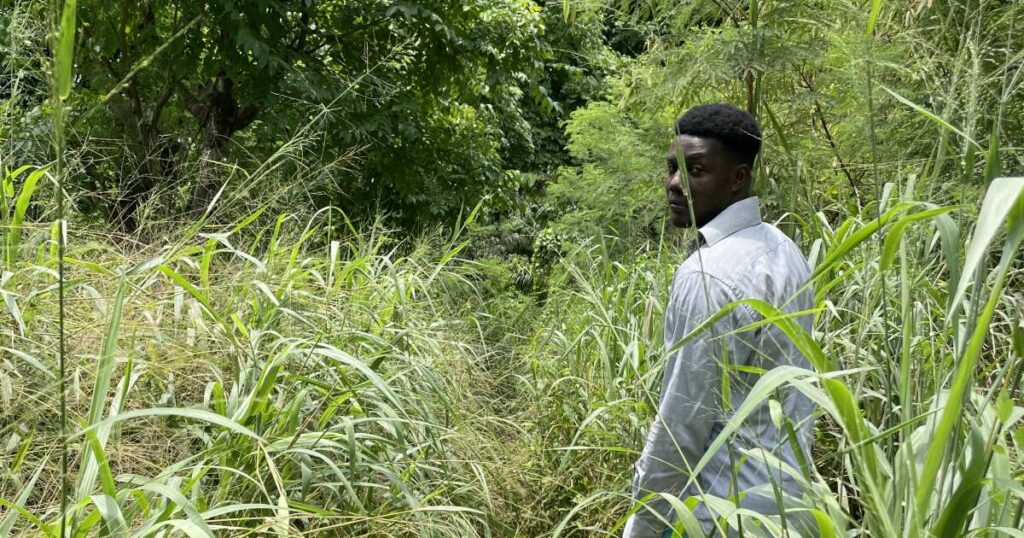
(741, 177)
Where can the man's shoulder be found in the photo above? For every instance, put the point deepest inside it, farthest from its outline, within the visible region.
(749, 243)
(764, 237)
(744, 254)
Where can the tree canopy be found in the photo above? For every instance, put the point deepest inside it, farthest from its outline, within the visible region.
(423, 108)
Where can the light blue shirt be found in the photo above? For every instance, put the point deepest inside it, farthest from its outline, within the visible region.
(739, 257)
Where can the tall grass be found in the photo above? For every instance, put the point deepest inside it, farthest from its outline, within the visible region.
(264, 378)
(302, 375)
(947, 466)
(290, 387)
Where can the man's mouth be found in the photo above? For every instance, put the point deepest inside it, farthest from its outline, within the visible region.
(677, 206)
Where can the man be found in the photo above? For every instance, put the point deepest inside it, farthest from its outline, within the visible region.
(737, 256)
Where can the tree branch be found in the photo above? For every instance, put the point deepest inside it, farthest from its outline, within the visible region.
(300, 41)
(161, 101)
(192, 104)
(730, 12)
(244, 116)
(358, 29)
(828, 136)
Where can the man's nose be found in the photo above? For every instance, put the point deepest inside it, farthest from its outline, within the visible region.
(674, 182)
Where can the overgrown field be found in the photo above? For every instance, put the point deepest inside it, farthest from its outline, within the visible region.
(273, 377)
(366, 306)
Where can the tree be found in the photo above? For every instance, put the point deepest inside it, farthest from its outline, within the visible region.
(437, 104)
(24, 131)
(429, 93)
(216, 60)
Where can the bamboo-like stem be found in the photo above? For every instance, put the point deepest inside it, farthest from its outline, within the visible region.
(884, 303)
(63, 45)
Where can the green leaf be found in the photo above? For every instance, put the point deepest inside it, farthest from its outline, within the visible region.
(198, 295)
(960, 506)
(105, 365)
(850, 240)
(949, 235)
(1004, 406)
(1018, 334)
(1001, 197)
(111, 513)
(25, 514)
(107, 485)
(826, 528)
(196, 525)
(895, 233)
(1003, 202)
(13, 235)
(93, 462)
(12, 304)
(993, 166)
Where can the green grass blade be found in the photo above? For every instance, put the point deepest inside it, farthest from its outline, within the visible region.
(12, 303)
(188, 527)
(8, 521)
(91, 464)
(105, 365)
(949, 236)
(993, 165)
(931, 116)
(195, 414)
(952, 411)
(175, 496)
(895, 233)
(28, 188)
(960, 506)
(852, 240)
(876, 8)
(107, 485)
(28, 516)
(1003, 194)
(64, 57)
(111, 514)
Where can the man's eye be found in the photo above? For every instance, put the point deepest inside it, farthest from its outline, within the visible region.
(696, 170)
(672, 168)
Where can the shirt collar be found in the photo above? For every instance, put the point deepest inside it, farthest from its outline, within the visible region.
(742, 214)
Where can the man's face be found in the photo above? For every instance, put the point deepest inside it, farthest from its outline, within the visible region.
(713, 180)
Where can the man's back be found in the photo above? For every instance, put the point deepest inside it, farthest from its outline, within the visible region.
(755, 262)
(740, 257)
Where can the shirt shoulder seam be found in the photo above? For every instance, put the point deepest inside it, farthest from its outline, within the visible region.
(732, 289)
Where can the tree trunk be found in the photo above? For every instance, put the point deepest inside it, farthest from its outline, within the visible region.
(207, 180)
(220, 116)
(153, 165)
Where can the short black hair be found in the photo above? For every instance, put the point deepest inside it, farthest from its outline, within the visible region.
(734, 128)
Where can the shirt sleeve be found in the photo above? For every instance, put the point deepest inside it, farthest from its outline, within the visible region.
(691, 398)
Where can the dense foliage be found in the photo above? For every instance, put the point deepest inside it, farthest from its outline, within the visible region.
(414, 109)
(379, 268)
